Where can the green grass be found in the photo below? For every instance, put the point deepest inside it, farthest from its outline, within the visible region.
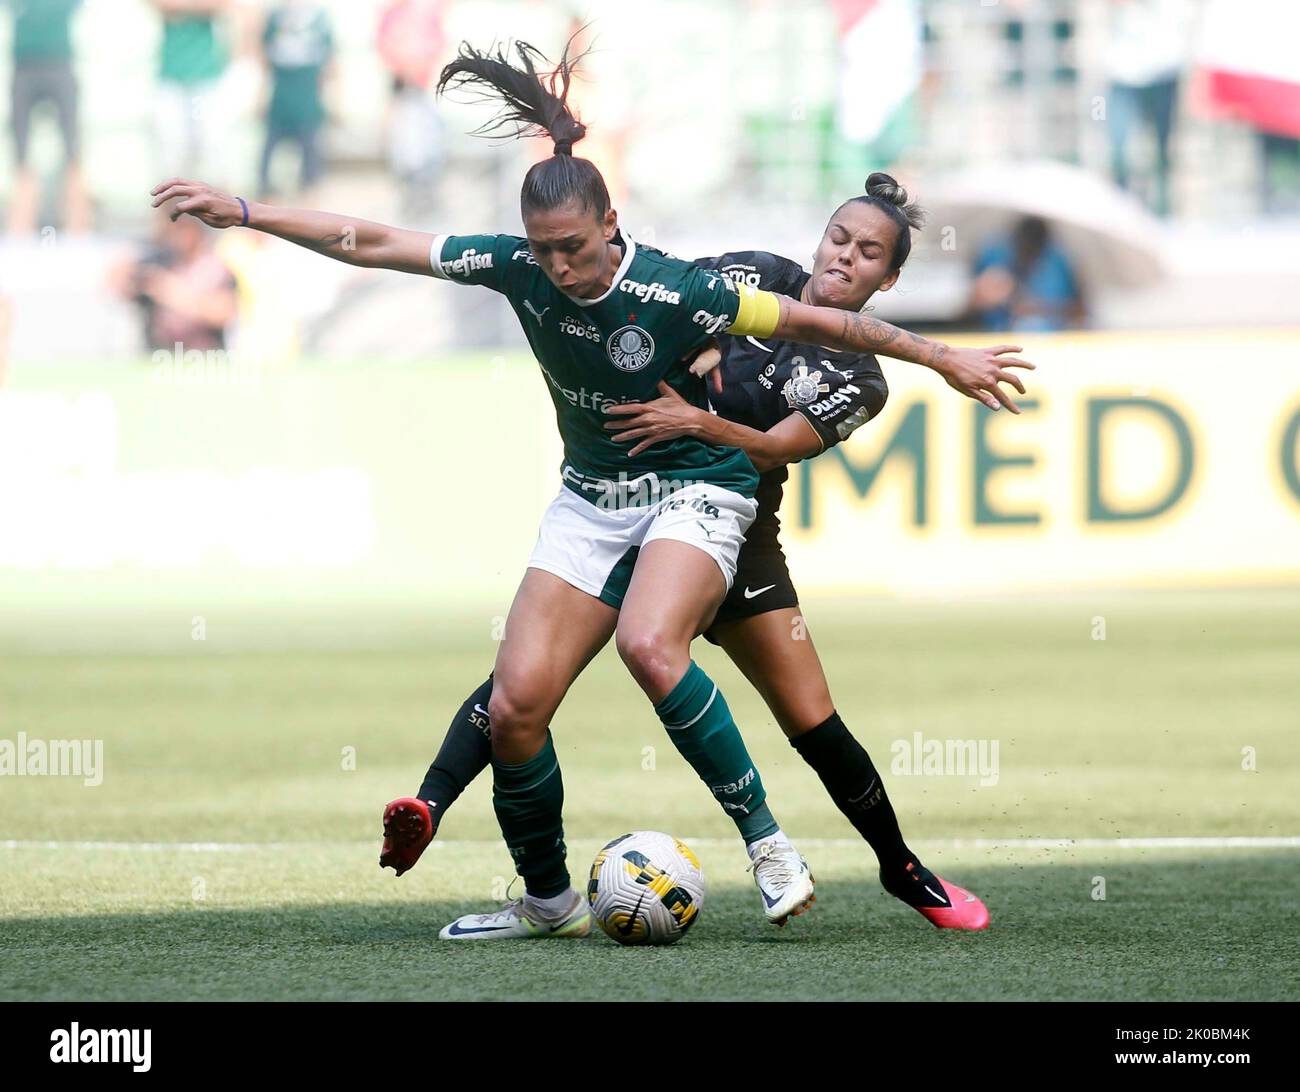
(1140, 735)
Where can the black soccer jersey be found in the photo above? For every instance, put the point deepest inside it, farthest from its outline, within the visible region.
(765, 381)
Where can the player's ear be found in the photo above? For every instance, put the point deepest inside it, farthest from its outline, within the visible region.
(891, 279)
(610, 224)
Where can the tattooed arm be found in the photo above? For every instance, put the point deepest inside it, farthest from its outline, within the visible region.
(357, 242)
(976, 373)
(888, 340)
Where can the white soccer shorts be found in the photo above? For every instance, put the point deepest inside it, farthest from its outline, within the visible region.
(594, 547)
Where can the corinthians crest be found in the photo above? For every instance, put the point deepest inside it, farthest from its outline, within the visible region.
(803, 387)
(630, 348)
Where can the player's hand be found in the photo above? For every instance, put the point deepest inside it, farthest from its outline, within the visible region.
(665, 418)
(706, 364)
(978, 373)
(214, 208)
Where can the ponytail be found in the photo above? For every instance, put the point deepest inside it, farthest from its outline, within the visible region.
(533, 103)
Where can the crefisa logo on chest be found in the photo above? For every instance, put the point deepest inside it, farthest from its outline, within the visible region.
(630, 348)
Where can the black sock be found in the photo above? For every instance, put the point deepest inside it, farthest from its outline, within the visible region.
(465, 753)
(849, 776)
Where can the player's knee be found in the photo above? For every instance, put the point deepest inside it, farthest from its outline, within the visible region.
(655, 658)
(514, 715)
(637, 646)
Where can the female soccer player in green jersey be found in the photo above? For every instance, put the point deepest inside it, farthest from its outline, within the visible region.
(779, 403)
(641, 549)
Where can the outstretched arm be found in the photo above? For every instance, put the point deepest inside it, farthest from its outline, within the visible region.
(357, 242)
(976, 373)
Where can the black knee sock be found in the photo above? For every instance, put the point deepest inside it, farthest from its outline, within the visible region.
(853, 783)
(465, 753)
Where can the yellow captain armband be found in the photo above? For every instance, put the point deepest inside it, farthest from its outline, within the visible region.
(759, 312)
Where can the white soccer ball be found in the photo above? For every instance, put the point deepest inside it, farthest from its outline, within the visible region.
(646, 888)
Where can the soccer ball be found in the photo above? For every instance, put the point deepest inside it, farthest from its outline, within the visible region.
(646, 888)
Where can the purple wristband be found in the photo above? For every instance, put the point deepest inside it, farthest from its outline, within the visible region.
(243, 205)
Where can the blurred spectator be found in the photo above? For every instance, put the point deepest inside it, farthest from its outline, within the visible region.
(1145, 55)
(186, 294)
(1026, 282)
(42, 73)
(298, 44)
(1250, 71)
(191, 64)
(1280, 176)
(410, 42)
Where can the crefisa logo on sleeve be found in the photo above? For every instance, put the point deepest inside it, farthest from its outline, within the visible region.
(468, 262)
(120, 1046)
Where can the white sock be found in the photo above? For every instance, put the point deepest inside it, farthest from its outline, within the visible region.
(779, 838)
(554, 907)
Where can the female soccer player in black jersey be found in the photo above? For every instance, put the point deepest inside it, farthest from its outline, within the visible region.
(780, 402)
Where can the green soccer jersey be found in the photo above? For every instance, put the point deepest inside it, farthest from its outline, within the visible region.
(615, 348)
(42, 30)
(192, 51)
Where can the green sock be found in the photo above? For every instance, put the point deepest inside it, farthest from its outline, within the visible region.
(528, 799)
(700, 726)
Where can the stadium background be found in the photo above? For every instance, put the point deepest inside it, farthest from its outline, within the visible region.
(265, 575)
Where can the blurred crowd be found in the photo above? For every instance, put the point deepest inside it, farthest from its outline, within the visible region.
(294, 42)
(1150, 63)
(184, 292)
(1155, 72)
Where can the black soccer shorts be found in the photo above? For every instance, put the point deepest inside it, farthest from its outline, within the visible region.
(762, 583)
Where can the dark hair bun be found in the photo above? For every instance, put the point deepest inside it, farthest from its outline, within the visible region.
(886, 187)
(884, 192)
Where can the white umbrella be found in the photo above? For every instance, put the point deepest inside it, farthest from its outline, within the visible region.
(1111, 238)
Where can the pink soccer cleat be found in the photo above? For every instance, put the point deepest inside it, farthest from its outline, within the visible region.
(408, 830)
(945, 906)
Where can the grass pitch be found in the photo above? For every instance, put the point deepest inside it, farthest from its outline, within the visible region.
(230, 852)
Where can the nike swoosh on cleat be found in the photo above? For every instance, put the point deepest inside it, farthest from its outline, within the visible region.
(750, 594)
(457, 930)
(770, 902)
(936, 895)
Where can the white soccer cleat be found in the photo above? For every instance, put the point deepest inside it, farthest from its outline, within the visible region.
(519, 921)
(783, 879)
